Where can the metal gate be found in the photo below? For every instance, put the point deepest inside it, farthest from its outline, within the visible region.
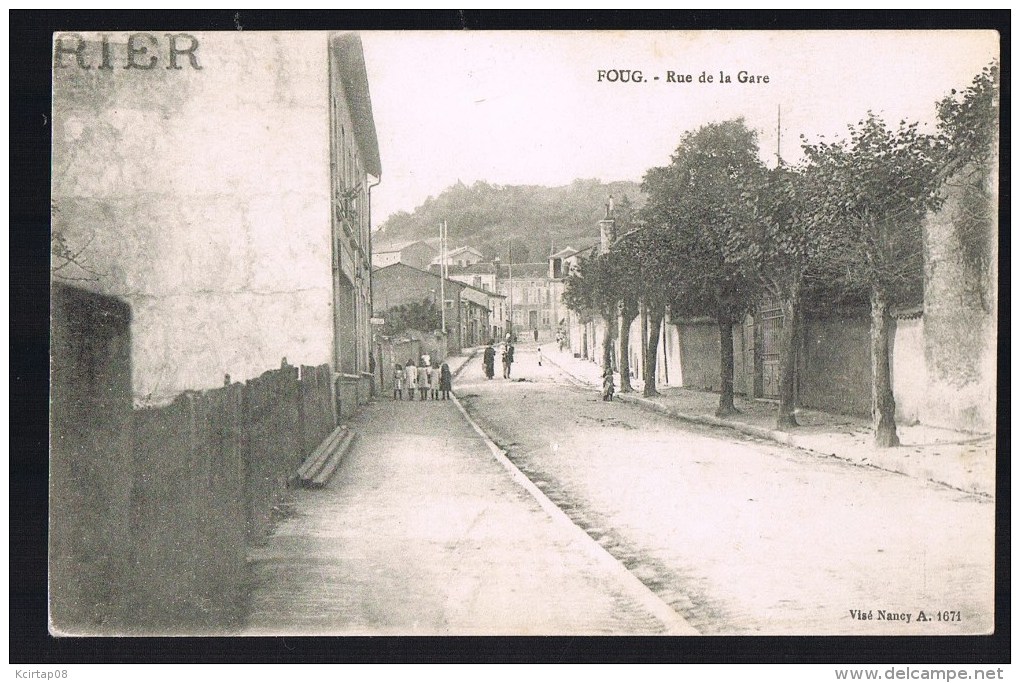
(769, 322)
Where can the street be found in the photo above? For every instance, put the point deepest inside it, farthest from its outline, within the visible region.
(668, 528)
(423, 532)
(743, 536)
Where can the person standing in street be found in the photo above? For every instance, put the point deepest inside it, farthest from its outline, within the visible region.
(445, 381)
(608, 386)
(410, 378)
(423, 381)
(535, 331)
(434, 376)
(508, 360)
(539, 356)
(489, 361)
(398, 382)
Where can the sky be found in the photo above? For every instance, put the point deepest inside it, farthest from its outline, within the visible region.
(527, 107)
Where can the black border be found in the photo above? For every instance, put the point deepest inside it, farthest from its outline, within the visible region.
(30, 45)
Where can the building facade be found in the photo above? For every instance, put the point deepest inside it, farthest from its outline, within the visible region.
(533, 298)
(415, 254)
(210, 264)
(467, 309)
(461, 256)
(485, 277)
(225, 204)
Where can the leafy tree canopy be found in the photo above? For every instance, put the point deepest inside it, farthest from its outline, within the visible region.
(690, 212)
(423, 316)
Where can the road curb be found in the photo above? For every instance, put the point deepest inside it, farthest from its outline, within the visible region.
(675, 624)
(463, 363)
(781, 437)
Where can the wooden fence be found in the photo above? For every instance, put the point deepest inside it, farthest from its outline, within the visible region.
(152, 511)
(208, 471)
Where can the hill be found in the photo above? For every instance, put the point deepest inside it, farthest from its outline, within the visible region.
(489, 217)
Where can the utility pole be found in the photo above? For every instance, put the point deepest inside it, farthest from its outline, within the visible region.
(779, 134)
(510, 244)
(442, 273)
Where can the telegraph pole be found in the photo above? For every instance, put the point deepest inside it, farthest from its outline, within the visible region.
(510, 243)
(779, 134)
(442, 273)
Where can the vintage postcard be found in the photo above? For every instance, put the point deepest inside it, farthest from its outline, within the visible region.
(579, 333)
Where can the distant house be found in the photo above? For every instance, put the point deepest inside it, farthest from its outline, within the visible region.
(481, 275)
(560, 262)
(461, 256)
(535, 300)
(416, 254)
(467, 308)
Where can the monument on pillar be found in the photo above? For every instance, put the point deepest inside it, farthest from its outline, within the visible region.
(607, 228)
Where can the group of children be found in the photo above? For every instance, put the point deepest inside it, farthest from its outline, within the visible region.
(425, 377)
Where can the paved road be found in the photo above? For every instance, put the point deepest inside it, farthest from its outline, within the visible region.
(423, 531)
(742, 536)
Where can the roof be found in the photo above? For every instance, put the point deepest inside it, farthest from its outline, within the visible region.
(461, 250)
(351, 59)
(584, 251)
(482, 267)
(564, 253)
(463, 285)
(395, 246)
(393, 267)
(484, 291)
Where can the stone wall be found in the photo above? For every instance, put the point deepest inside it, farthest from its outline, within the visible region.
(961, 304)
(909, 372)
(835, 364)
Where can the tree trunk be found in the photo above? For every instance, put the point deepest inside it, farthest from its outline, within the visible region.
(786, 418)
(626, 320)
(652, 350)
(883, 405)
(607, 341)
(726, 406)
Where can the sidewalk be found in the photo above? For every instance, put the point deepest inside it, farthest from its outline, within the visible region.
(957, 459)
(423, 531)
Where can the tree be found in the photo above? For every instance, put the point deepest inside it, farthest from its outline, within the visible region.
(608, 285)
(772, 237)
(869, 195)
(590, 290)
(625, 266)
(422, 315)
(691, 203)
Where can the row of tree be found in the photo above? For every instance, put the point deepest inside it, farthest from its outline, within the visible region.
(719, 230)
